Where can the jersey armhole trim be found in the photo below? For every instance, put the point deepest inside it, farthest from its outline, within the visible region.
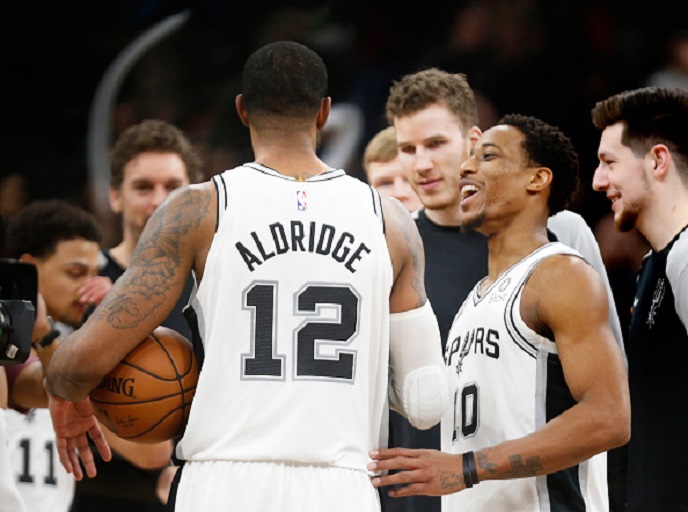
(221, 191)
(377, 208)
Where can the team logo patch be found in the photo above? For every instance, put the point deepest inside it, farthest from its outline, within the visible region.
(504, 284)
(656, 302)
(301, 203)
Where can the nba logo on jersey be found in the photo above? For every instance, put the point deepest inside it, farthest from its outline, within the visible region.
(301, 200)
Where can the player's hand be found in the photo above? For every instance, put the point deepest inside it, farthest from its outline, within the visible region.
(73, 423)
(424, 472)
(95, 289)
(41, 325)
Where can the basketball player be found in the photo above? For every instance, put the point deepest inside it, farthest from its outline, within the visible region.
(9, 494)
(148, 161)
(10, 497)
(435, 116)
(643, 170)
(384, 172)
(540, 383)
(310, 286)
(63, 242)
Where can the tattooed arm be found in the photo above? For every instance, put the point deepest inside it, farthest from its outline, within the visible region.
(408, 259)
(174, 241)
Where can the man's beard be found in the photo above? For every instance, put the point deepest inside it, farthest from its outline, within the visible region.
(470, 225)
(628, 217)
(626, 221)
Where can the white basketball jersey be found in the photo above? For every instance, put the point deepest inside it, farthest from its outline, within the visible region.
(43, 483)
(293, 313)
(509, 382)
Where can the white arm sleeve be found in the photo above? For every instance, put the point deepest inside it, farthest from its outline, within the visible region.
(418, 385)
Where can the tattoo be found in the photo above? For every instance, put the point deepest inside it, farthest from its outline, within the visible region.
(415, 245)
(484, 463)
(155, 263)
(519, 469)
(452, 481)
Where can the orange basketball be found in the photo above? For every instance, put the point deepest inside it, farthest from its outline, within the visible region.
(146, 398)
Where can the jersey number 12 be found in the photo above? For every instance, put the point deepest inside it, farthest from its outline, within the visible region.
(263, 361)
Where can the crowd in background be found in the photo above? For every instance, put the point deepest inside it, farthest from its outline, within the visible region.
(553, 60)
(549, 59)
(79, 76)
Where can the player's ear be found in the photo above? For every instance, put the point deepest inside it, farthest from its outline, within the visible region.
(473, 135)
(540, 179)
(241, 109)
(115, 200)
(660, 157)
(323, 112)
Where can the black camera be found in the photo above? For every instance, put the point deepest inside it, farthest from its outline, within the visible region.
(18, 296)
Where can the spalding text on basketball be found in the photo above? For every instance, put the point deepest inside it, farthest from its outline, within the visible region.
(119, 386)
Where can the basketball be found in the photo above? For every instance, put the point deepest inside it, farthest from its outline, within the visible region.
(146, 398)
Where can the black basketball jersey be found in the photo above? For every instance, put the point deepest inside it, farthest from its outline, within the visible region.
(657, 354)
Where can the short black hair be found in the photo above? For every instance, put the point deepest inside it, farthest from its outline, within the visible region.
(285, 79)
(547, 146)
(37, 228)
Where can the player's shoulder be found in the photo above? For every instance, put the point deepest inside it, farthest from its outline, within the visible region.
(564, 273)
(189, 211)
(400, 228)
(568, 259)
(677, 259)
(681, 243)
(395, 213)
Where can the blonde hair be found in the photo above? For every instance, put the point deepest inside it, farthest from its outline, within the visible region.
(381, 148)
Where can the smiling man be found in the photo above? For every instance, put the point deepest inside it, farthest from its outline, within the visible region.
(643, 170)
(384, 171)
(538, 393)
(63, 242)
(301, 354)
(435, 116)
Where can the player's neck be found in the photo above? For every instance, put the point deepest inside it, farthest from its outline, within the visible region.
(297, 164)
(507, 247)
(448, 216)
(123, 252)
(664, 217)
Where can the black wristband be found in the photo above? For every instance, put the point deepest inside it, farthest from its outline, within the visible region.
(48, 338)
(466, 471)
(469, 457)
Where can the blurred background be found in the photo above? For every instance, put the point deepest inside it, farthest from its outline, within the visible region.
(81, 72)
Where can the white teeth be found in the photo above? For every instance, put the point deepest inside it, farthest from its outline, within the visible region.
(468, 190)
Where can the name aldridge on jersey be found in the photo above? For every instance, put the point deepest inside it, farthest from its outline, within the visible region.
(322, 239)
